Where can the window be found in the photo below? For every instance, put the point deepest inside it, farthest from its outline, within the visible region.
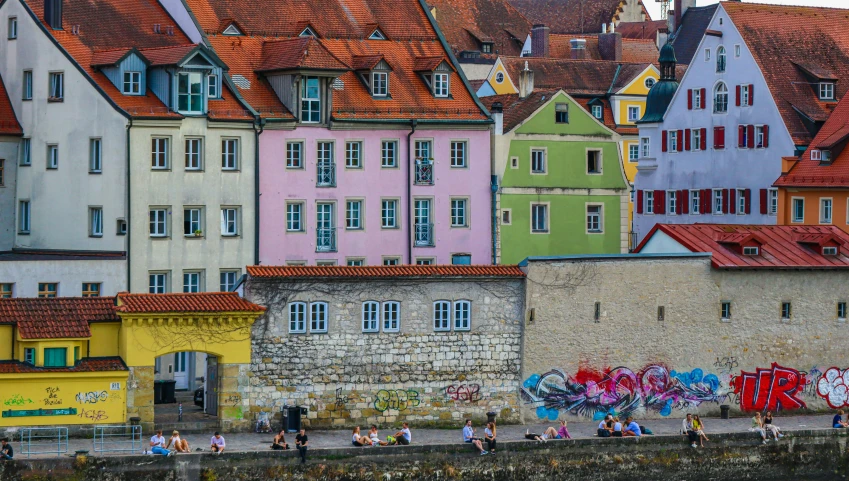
(649, 83)
(192, 219)
(29, 355)
(12, 32)
(593, 162)
(506, 217)
(720, 59)
(159, 153)
(697, 99)
(230, 154)
(785, 311)
(423, 150)
(741, 201)
(462, 315)
(318, 317)
(597, 311)
(132, 83)
(23, 217)
(424, 261)
(826, 91)
(95, 222)
(841, 311)
(298, 317)
(227, 280)
(537, 161)
(440, 84)
(661, 313)
(356, 262)
(389, 153)
(720, 98)
(671, 202)
(6, 290)
(326, 166)
(191, 282)
(379, 84)
(751, 251)
(772, 201)
(212, 86)
(461, 259)
(158, 222)
(55, 357)
(725, 311)
(353, 155)
(697, 139)
(57, 87)
(95, 156)
(737, 50)
(325, 262)
(91, 289)
(458, 154)
(539, 218)
(594, 221)
(633, 114)
(27, 85)
(499, 77)
(194, 154)
(389, 214)
(645, 147)
(2, 172)
(52, 156)
(354, 214)
(158, 282)
(229, 221)
(514, 162)
(391, 316)
(673, 141)
(310, 100)
(798, 210)
(597, 111)
(441, 316)
(695, 202)
(561, 113)
(26, 152)
(294, 155)
(825, 211)
(391, 261)
(121, 227)
(48, 289)
(707, 55)
(649, 206)
(76, 354)
(294, 217)
(486, 47)
(370, 316)
(633, 152)
(829, 251)
(745, 96)
(190, 92)
(717, 201)
(458, 213)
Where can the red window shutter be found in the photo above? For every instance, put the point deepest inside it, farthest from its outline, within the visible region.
(660, 202)
(679, 201)
(763, 202)
(704, 139)
(719, 137)
(751, 136)
(690, 99)
(741, 129)
(685, 201)
(687, 135)
(766, 136)
(724, 201)
(732, 205)
(664, 141)
(703, 98)
(680, 141)
(639, 202)
(738, 95)
(751, 94)
(748, 194)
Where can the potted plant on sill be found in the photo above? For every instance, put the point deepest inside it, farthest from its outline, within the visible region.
(198, 233)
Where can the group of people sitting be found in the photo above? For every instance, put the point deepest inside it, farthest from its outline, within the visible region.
(611, 426)
(765, 425)
(402, 437)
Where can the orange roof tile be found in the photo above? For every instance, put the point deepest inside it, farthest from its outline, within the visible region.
(51, 318)
(185, 302)
(432, 271)
(646, 29)
(298, 53)
(9, 124)
(366, 62)
(464, 23)
(89, 364)
(167, 56)
(633, 50)
(573, 16)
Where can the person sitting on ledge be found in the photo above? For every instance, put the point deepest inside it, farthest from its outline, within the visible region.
(181, 445)
(469, 437)
(404, 436)
(217, 443)
(375, 438)
(758, 427)
(6, 451)
(563, 433)
(603, 432)
(689, 429)
(280, 441)
(617, 428)
(632, 428)
(357, 440)
(157, 444)
(838, 421)
(771, 428)
(550, 433)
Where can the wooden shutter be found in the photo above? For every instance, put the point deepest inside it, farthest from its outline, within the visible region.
(687, 135)
(764, 207)
(664, 140)
(738, 95)
(732, 205)
(751, 94)
(679, 202)
(704, 139)
(685, 201)
(680, 141)
(766, 136)
(741, 129)
(724, 201)
(719, 137)
(751, 136)
(703, 98)
(690, 99)
(639, 202)
(660, 202)
(707, 201)
(748, 194)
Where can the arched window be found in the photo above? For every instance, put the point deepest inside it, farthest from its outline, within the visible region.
(720, 59)
(720, 98)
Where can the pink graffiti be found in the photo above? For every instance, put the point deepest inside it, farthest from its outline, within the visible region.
(770, 389)
(463, 392)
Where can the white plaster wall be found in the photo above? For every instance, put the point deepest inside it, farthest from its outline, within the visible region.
(8, 204)
(476, 71)
(70, 274)
(661, 243)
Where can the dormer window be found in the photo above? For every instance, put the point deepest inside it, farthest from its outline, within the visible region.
(825, 156)
(190, 92)
(380, 84)
(486, 47)
(310, 100)
(816, 154)
(377, 35)
(232, 30)
(440, 84)
(829, 251)
(751, 251)
(826, 91)
(307, 32)
(597, 111)
(212, 87)
(132, 83)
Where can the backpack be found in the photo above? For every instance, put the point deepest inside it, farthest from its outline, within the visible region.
(646, 430)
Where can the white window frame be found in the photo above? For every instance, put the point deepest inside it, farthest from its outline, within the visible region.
(648, 207)
(671, 202)
(598, 112)
(673, 141)
(645, 147)
(599, 161)
(826, 210)
(355, 262)
(707, 55)
(440, 85)
(160, 153)
(716, 96)
(95, 221)
(158, 222)
(597, 218)
(387, 205)
(195, 220)
(462, 315)
(737, 50)
(192, 78)
(371, 316)
(224, 281)
(716, 201)
(295, 154)
(354, 214)
(841, 311)
(633, 113)
(295, 216)
(772, 201)
(721, 59)
(744, 95)
(52, 156)
(561, 113)
(26, 93)
(539, 156)
(212, 86)
(826, 90)
(56, 92)
(229, 222)
(751, 251)
(725, 310)
(132, 83)
(442, 308)
(318, 317)
(24, 216)
(740, 198)
(795, 219)
(545, 228)
(789, 310)
(12, 28)
(192, 281)
(310, 108)
(696, 140)
(194, 153)
(697, 99)
(380, 84)
(695, 199)
(95, 155)
(459, 153)
(353, 154)
(297, 317)
(388, 154)
(460, 212)
(26, 152)
(391, 316)
(633, 152)
(157, 282)
(391, 261)
(230, 153)
(509, 217)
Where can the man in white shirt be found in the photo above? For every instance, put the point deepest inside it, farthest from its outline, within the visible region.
(217, 443)
(157, 444)
(404, 436)
(469, 437)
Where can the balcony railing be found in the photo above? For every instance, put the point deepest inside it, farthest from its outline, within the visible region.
(325, 240)
(326, 174)
(424, 172)
(424, 235)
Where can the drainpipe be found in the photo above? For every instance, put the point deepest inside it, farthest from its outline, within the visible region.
(258, 123)
(129, 207)
(493, 187)
(410, 161)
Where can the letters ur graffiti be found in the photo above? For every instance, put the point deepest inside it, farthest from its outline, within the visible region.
(92, 397)
(770, 389)
(399, 399)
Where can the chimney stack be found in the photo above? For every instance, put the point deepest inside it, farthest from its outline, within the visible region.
(497, 111)
(53, 13)
(526, 82)
(539, 41)
(579, 48)
(610, 46)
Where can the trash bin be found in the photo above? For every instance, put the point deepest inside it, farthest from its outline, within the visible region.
(723, 411)
(293, 418)
(490, 417)
(168, 395)
(157, 392)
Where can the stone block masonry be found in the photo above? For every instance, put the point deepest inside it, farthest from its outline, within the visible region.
(347, 377)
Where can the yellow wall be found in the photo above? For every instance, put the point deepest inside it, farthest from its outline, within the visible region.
(104, 339)
(6, 341)
(812, 207)
(90, 393)
(40, 344)
(623, 110)
(504, 87)
(638, 87)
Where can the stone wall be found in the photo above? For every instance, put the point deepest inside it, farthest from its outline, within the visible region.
(347, 377)
(629, 361)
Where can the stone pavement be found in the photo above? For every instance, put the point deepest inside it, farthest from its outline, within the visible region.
(342, 438)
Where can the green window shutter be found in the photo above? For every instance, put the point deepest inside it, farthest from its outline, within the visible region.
(55, 357)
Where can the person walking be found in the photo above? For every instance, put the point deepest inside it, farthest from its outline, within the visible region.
(469, 437)
(301, 442)
(489, 436)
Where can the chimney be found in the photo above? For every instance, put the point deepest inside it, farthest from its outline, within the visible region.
(526, 82)
(497, 111)
(610, 46)
(53, 13)
(539, 41)
(678, 12)
(579, 48)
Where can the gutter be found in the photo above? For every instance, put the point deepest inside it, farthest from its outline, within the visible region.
(258, 123)
(494, 189)
(413, 123)
(615, 77)
(129, 206)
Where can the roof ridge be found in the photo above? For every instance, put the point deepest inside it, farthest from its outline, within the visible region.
(773, 6)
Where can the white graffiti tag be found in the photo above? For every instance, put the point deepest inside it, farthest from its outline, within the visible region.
(833, 386)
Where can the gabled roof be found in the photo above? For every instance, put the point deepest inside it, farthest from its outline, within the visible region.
(466, 23)
(782, 37)
(573, 16)
(51, 318)
(184, 302)
(9, 124)
(688, 35)
(516, 109)
(575, 77)
(169, 56)
(113, 56)
(305, 53)
(89, 364)
(387, 272)
(366, 62)
(641, 30)
(782, 246)
(812, 173)
(633, 50)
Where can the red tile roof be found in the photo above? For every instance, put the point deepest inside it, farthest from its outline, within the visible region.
(811, 173)
(575, 77)
(645, 30)
(8, 120)
(182, 302)
(633, 50)
(89, 364)
(167, 56)
(466, 23)
(51, 318)
(298, 52)
(573, 16)
(782, 246)
(432, 271)
(782, 37)
(517, 110)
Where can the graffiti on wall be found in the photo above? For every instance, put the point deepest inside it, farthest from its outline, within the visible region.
(17, 400)
(94, 416)
(833, 386)
(92, 397)
(620, 391)
(463, 392)
(770, 389)
(400, 399)
(341, 400)
(52, 396)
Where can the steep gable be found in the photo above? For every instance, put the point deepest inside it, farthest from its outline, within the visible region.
(466, 24)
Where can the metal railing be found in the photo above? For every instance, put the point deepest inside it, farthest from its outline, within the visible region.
(424, 235)
(632, 241)
(117, 439)
(52, 441)
(325, 240)
(424, 172)
(326, 174)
